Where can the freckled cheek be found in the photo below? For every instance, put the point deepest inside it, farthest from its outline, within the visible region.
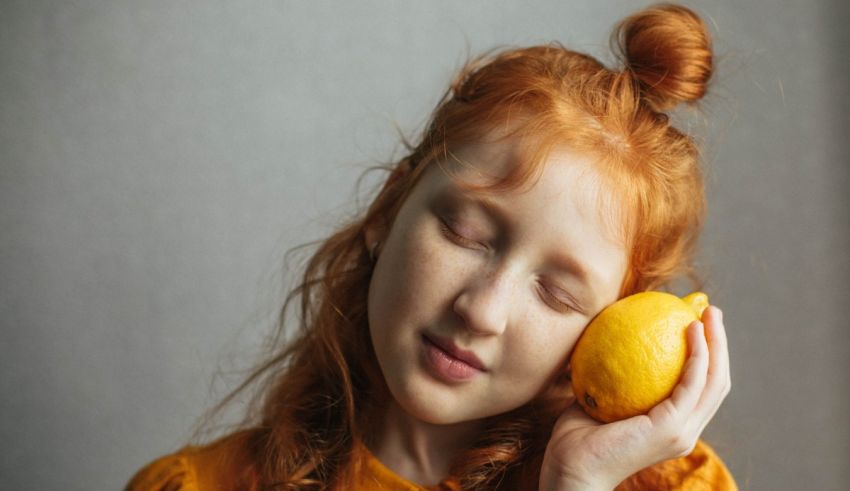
(417, 272)
(538, 357)
(430, 251)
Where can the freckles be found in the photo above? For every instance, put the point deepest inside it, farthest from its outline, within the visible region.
(415, 272)
(432, 254)
(419, 259)
(546, 345)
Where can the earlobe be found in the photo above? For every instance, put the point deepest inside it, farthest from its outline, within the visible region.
(374, 236)
(373, 233)
(373, 251)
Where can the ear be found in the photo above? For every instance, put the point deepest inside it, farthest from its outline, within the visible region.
(374, 231)
(377, 230)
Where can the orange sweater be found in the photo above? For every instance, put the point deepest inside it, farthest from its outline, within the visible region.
(211, 468)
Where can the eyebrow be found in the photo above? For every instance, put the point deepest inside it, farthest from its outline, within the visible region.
(564, 262)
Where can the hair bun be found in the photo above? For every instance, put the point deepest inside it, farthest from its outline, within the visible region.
(668, 50)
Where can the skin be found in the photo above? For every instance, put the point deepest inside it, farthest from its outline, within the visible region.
(493, 286)
(584, 454)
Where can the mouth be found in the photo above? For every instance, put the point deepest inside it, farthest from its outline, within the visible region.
(457, 354)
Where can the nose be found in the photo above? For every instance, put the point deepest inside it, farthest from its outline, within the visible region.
(484, 303)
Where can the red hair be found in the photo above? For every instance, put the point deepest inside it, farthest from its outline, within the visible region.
(324, 391)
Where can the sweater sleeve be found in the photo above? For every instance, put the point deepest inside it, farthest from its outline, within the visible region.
(223, 464)
(168, 473)
(701, 470)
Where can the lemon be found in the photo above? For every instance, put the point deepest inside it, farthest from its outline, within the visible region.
(631, 356)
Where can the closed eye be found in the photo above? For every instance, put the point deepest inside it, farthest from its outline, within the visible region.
(553, 301)
(459, 239)
(548, 296)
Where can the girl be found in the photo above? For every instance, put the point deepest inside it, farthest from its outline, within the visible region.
(436, 330)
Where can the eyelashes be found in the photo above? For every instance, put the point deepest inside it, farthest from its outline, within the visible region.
(559, 305)
(548, 296)
(455, 237)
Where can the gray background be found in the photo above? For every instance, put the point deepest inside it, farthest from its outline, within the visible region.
(158, 158)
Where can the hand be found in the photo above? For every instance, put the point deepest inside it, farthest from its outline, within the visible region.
(583, 453)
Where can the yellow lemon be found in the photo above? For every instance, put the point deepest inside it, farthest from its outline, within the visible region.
(631, 356)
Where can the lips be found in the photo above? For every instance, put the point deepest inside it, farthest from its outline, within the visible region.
(449, 347)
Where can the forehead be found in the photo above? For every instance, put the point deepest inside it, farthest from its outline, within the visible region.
(566, 180)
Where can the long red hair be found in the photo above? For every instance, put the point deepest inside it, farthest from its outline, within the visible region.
(323, 391)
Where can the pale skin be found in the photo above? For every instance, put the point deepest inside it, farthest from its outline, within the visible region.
(584, 454)
(491, 285)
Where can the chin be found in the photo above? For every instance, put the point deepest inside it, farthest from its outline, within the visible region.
(426, 404)
(435, 417)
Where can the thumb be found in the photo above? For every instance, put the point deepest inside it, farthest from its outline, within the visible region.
(574, 417)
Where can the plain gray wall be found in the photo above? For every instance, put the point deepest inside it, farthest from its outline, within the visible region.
(158, 158)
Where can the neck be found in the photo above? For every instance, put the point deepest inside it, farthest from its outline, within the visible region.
(418, 451)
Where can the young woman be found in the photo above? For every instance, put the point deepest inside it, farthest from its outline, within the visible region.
(435, 331)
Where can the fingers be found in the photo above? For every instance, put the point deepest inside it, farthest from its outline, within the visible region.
(705, 382)
(674, 410)
(719, 381)
(687, 394)
(574, 417)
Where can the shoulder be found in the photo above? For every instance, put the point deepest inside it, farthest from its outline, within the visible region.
(219, 466)
(701, 470)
